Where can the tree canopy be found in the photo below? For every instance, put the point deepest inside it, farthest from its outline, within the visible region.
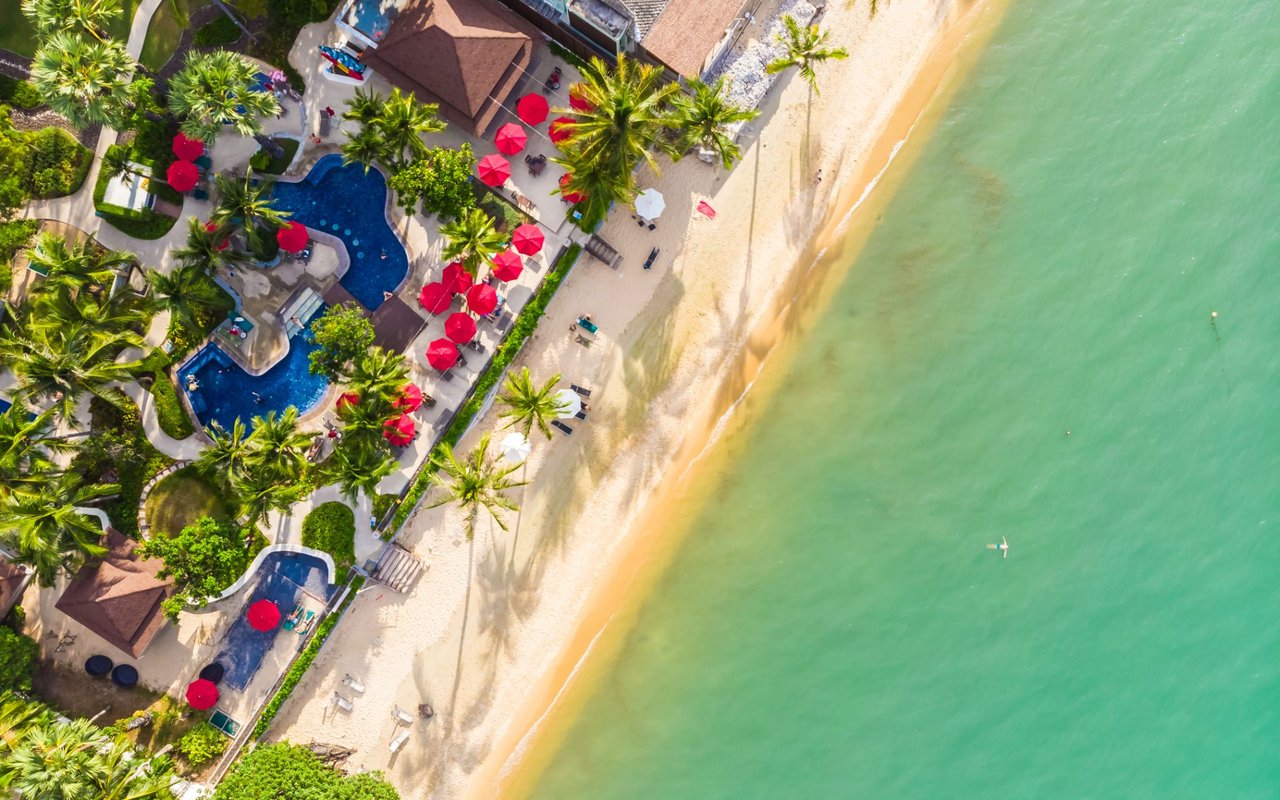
(439, 181)
(17, 661)
(344, 334)
(203, 559)
(286, 771)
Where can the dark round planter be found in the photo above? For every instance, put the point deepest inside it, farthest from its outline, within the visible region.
(124, 676)
(98, 666)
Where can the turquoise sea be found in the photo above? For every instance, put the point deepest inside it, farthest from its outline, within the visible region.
(833, 626)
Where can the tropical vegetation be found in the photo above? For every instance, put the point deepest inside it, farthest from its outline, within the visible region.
(705, 115)
(391, 129)
(476, 483)
(806, 46)
(289, 772)
(84, 79)
(245, 204)
(17, 661)
(343, 334)
(39, 164)
(529, 405)
(203, 559)
(331, 528)
(262, 470)
(472, 240)
(202, 744)
(218, 89)
(437, 182)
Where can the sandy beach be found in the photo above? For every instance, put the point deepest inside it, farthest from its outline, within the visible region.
(493, 630)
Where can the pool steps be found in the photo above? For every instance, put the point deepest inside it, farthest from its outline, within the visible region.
(302, 307)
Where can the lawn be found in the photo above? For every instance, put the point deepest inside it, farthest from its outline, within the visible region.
(165, 31)
(16, 33)
(181, 499)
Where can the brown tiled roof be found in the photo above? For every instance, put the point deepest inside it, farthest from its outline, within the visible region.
(395, 324)
(12, 581)
(119, 597)
(465, 55)
(686, 31)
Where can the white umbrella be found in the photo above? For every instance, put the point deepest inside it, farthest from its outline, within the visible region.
(515, 447)
(571, 403)
(650, 203)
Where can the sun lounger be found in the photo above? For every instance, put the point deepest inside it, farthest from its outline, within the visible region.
(304, 627)
(402, 715)
(653, 256)
(447, 374)
(398, 741)
(324, 125)
(580, 390)
(292, 619)
(341, 702)
(581, 414)
(588, 325)
(356, 686)
(560, 426)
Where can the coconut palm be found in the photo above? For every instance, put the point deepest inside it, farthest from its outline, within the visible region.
(363, 422)
(216, 89)
(81, 16)
(26, 446)
(74, 267)
(64, 362)
(186, 292)
(17, 716)
(704, 114)
(475, 484)
(55, 761)
(472, 239)
(226, 461)
(379, 374)
(365, 147)
(121, 777)
(529, 404)
(277, 447)
(805, 47)
(85, 81)
(247, 203)
(207, 249)
(359, 466)
(261, 493)
(402, 122)
(118, 161)
(46, 531)
(102, 315)
(599, 183)
(364, 107)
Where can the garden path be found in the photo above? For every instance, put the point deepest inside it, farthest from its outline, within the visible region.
(288, 527)
(180, 449)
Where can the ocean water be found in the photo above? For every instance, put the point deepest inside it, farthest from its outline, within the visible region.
(833, 626)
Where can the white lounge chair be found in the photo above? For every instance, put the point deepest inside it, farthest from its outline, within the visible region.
(341, 702)
(403, 716)
(398, 742)
(356, 685)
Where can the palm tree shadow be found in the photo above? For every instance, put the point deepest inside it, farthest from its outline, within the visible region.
(462, 637)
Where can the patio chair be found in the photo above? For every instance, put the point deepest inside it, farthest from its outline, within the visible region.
(342, 702)
(560, 426)
(653, 256)
(590, 326)
(580, 390)
(402, 716)
(324, 125)
(582, 415)
(292, 619)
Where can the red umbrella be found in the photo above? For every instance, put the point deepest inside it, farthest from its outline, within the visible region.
(559, 129)
(410, 398)
(442, 353)
(399, 431)
(263, 615)
(293, 237)
(460, 327)
(510, 139)
(527, 239)
(482, 298)
(347, 399)
(435, 298)
(202, 694)
(572, 197)
(493, 169)
(212, 227)
(182, 176)
(456, 278)
(532, 108)
(186, 148)
(507, 265)
(576, 100)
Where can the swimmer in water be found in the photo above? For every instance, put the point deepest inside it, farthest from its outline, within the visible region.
(257, 398)
(384, 255)
(1003, 547)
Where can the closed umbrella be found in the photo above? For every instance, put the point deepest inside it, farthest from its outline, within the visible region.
(410, 398)
(182, 176)
(460, 327)
(532, 109)
(442, 354)
(493, 169)
(569, 196)
(561, 129)
(507, 265)
(293, 237)
(515, 446)
(435, 298)
(202, 695)
(570, 403)
(399, 431)
(186, 148)
(527, 238)
(482, 299)
(510, 139)
(456, 278)
(650, 203)
(263, 615)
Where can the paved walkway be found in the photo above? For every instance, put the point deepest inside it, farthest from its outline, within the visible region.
(181, 449)
(287, 528)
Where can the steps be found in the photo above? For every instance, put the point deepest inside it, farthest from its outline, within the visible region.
(398, 569)
(296, 313)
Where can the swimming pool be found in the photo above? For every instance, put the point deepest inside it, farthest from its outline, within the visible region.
(370, 18)
(350, 204)
(226, 390)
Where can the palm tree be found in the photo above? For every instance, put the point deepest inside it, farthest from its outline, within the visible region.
(705, 114)
(362, 422)
(599, 183)
(365, 147)
(81, 16)
(118, 161)
(379, 374)
(46, 531)
(207, 249)
(277, 446)
(261, 493)
(474, 484)
(75, 267)
(64, 362)
(364, 107)
(216, 89)
(17, 716)
(402, 122)
(85, 81)
(26, 444)
(528, 404)
(186, 292)
(247, 203)
(108, 316)
(472, 239)
(226, 461)
(360, 466)
(121, 777)
(55, 761)
(805, 47)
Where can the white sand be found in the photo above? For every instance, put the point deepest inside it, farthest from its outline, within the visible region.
(481, 635)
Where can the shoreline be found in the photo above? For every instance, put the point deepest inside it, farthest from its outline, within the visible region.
(641, 559)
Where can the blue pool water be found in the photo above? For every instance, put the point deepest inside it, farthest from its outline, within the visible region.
(368, 17)
(350, 204)
(282, 579)
(226, 390)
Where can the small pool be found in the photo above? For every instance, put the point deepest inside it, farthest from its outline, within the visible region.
(226, 390)
(370, 18)
(350, 204)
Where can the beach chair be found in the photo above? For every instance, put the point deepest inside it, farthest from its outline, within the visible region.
(292, 619)
(342, 702)
(305, 626)
(581, 415)
(580, 390)
(588, 325)
(324, 125)
(398, 741)
(402, 716)
(356, 686)
(653, 256)
(560, 426)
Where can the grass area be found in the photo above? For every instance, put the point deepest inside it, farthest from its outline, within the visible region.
(16, 33)
(331, 527)
(217, 32)
(141, 224)
(118, 448)
(265, 164)
(181, 499)
(166, 30)
(170, 414)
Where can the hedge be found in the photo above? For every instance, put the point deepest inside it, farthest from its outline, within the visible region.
(331, 527)
(170, 414)
(525, 325)
(303, 662)
(22, 94)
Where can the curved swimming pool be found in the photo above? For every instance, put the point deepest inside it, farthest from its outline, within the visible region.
(351, 204)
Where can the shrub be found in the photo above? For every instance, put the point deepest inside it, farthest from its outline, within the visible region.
(203, 559)
(331, 527)
(17, 661)
(170, 414)
(343, 333)
(58, 163)
(202, 744)
(382, 504)
(216, 32)
(22, 94)
(14, 235)
(260, 160)
(290, 772)
(119, 443)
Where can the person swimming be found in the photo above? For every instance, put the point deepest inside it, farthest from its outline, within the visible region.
(1003, 547)
(257, 398)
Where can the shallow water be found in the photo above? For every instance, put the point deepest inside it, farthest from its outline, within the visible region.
(833, 624)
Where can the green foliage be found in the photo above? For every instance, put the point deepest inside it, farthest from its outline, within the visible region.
(202, 744)
(58, 164)
(203, 560)
(289, 772)
(171, 415)
(568, 55)
(331, 527)
(17, 660)
(143, 224)
(216, 32)
(118, 443)
(805, 47)
(303, 662)
(285, 19)
(391, 129)
(184, 335)
(217, 89)
(382, 504)
(22, 94)
(344, 334)
(439, 181)
(264, 163)
(523, 328)
(14, 235)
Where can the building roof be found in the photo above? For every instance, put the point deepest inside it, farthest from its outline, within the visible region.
(465, 55)
(645, 12)
(687, 30)
(13, 579)
(119, 597)
(396, 325)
